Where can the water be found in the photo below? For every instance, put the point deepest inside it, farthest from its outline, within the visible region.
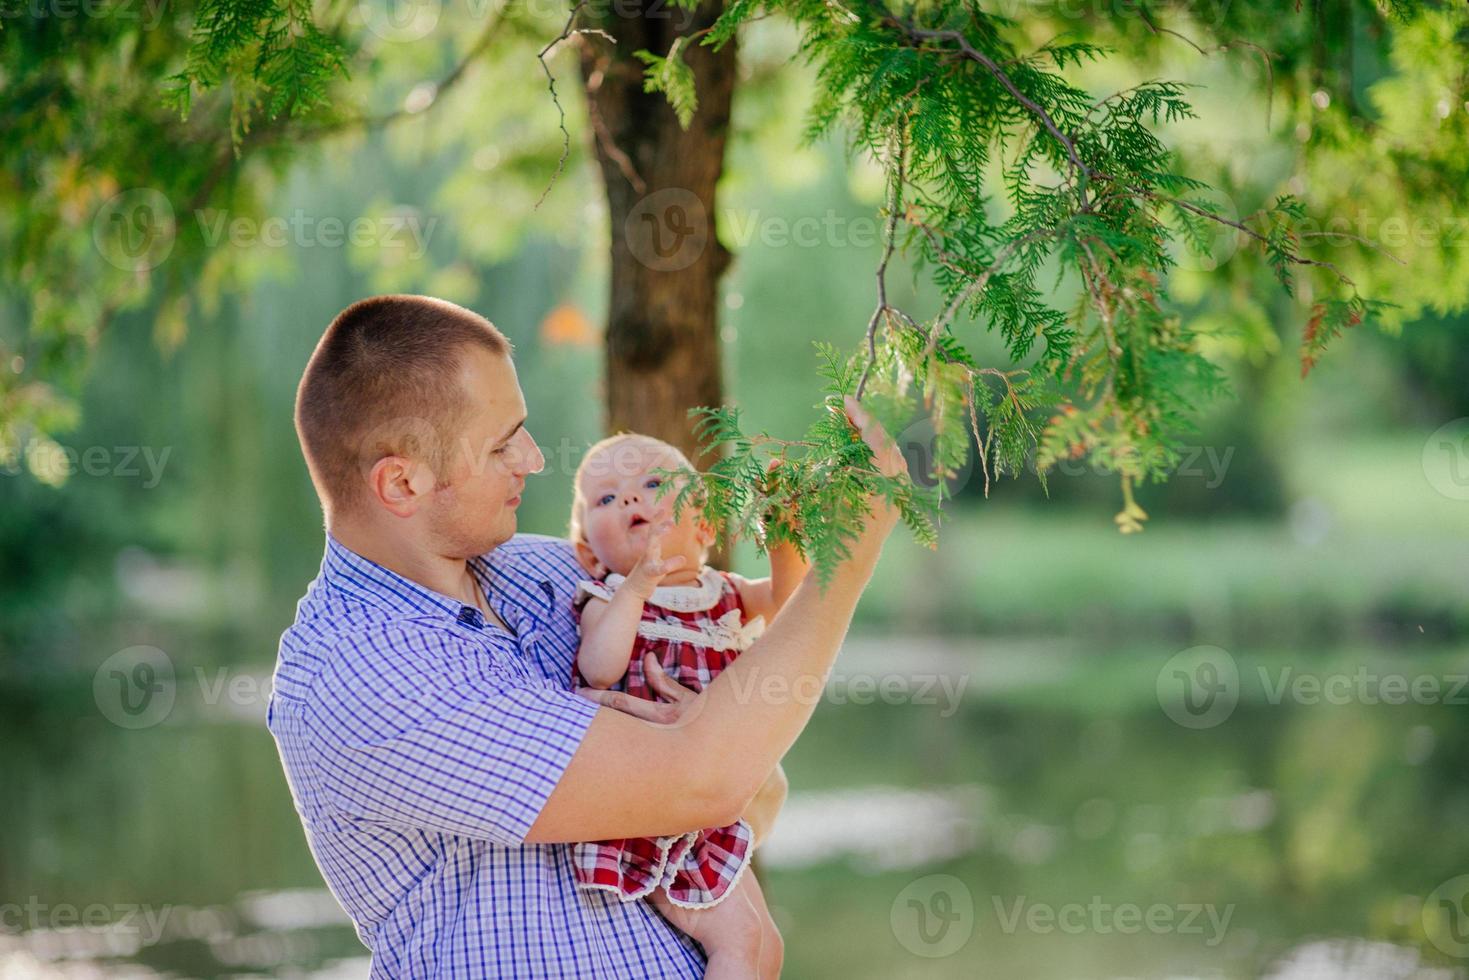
(1036, 814)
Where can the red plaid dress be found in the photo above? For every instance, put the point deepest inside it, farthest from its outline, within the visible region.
(695, 631)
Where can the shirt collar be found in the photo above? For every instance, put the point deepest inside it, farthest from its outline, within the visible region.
(366, 580)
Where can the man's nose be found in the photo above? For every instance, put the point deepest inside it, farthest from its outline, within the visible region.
(530, 457)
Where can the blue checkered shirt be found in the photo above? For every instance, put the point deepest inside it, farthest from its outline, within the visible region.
(421, 742)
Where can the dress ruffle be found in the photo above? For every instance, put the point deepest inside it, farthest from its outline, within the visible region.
(696, 869)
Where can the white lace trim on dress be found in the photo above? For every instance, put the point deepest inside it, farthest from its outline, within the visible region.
(702, 595)
(725, 633)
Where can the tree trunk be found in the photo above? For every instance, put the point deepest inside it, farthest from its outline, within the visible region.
(663, 354)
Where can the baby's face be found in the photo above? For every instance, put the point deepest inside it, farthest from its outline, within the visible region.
(619, 511)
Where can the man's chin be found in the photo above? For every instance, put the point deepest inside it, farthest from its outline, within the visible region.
(508, 526)
(473, 547)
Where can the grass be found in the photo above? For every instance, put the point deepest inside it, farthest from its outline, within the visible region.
(1007, 571)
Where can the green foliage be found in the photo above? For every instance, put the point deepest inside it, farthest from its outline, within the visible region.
(958, 115)
(95, 157)
(1328, 320)
(672, 76)
(272, 49)
(813, 492)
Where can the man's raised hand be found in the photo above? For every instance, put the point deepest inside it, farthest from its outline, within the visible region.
(889, 461)
(886, 455)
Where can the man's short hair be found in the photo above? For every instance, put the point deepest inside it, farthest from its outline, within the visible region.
(383, 381)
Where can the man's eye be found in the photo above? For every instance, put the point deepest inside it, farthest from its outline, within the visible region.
(502, 450)
(605, 499)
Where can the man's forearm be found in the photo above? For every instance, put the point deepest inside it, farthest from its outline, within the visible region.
(752, 712)
(634, 777)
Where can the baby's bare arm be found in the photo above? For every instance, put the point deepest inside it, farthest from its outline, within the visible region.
(767, 596)
(787, 568)
(608, 631)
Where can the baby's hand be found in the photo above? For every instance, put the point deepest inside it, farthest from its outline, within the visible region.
(653, 567)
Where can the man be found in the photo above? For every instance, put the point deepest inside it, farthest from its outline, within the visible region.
(438, 761)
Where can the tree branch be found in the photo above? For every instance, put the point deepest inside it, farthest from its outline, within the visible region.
(1294, 257)
(895, 204)
(985, 61)
(1265, 56)
(560, 109)
(280, 130)
(944, 319)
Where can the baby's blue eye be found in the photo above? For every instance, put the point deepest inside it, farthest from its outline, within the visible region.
(606, 498)
(654, 483)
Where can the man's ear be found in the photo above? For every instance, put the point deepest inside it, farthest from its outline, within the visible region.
(588, 560)
(399, 484)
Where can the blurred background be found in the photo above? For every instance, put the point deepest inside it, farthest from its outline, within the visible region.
(1230, 746)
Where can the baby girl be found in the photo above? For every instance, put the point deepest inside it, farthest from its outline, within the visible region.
(652, 594)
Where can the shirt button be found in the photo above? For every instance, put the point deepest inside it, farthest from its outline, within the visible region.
(469, 616)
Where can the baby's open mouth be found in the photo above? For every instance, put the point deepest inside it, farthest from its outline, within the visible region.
(636, 522)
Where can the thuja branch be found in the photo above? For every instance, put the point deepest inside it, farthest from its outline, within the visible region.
(1290, 254)
(1041, 115)
(281, 129)
(1265, 55)
(890, 241)
(936, 98)
(942, 323)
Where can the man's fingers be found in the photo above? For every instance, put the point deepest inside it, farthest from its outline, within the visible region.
(680, 708)
(661, 683)
(626, 703)
(886, 455)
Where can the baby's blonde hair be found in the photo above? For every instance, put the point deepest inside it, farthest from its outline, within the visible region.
(576, 530)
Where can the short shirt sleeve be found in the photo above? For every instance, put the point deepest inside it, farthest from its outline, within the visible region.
(470, 749)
